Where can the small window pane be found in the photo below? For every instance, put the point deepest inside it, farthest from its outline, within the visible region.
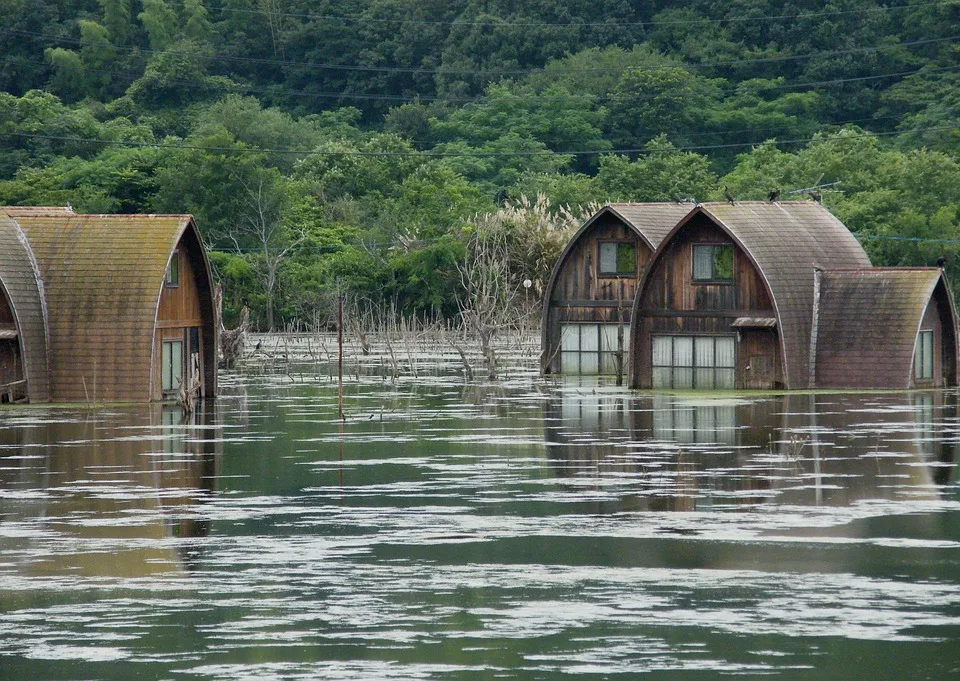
(723, 263)
(683, 351)
(589, 363)
(173, 270)
(704, 378)
(703, 263)
(589, 338)
(569, 337)
(570, 362)
(724, 379)
(683, 378)
(726, 353)
(662, 351)
(923, 357)
(661, 377)
(608, 257)
(704, 348)
(626, 258)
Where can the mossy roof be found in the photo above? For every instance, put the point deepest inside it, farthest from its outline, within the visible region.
(103, 275)
(867, 325)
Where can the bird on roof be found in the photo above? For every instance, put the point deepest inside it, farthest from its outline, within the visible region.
(729, 195)
(816, 195)
(941, 261)
(676, 198)
(773, 195)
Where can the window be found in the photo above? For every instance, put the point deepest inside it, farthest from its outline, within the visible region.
(713, 263)
(171, 365)
(592, 348)
(694, 362)
(923, 356)
(173, 270)
(618, 257)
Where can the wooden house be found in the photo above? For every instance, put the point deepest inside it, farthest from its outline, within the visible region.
(759, 295)
(884, 327)
(127, 306)
(589, 298)
(24, 373)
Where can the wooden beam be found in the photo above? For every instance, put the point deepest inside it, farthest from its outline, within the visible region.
(724, 314)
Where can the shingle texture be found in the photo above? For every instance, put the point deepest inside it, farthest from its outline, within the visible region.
(653, 221)
(20, 279)
(867, 325)
(788, 241)
(103, 275)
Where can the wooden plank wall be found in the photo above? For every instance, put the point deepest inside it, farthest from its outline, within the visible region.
(580, 294)
(673, 304)
(180, 309)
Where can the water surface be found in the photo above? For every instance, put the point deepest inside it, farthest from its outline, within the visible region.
(522, 529)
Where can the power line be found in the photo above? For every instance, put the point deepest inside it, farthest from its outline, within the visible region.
(573, 24)
(913, 239)
(413, 70)
(313, 94)
(334, 248)
(455, 154)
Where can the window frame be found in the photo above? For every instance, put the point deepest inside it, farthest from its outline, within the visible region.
(713, 280)
(168, 388)
(695, 370)
(618, 242)
(923, 364)
(604, 355)
(172, 277)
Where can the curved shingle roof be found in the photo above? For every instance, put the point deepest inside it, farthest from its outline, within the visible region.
(103, 276)
(20, 278)
(868, 322)
(788, 241)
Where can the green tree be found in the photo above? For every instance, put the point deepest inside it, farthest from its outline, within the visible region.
(160, 23)
(67, 80)
(117, 19)
(659, 174)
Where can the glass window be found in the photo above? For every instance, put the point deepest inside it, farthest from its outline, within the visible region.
(923, 356)
(618, 257)
(713, 263)
(593, 349)
(171, 365)
(700, 362)
(173, 270)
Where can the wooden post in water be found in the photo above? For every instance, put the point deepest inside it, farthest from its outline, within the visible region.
(340, 355)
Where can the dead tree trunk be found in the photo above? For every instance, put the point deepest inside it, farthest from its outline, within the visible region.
(232, 341)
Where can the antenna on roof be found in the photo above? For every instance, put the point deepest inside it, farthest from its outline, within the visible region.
(817, 190)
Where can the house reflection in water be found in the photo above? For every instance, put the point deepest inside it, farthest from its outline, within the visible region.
(111, 497)
(669, 452)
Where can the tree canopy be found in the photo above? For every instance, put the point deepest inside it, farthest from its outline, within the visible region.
(380, 132)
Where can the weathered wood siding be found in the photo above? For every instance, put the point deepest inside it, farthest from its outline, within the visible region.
(183, 307)
(672, 303)
(582, 295)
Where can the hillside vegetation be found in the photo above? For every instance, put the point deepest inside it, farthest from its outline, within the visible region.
(368, 146)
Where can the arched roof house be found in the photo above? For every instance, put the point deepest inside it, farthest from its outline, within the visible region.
(24, 373)
(884, 327)
(728, 299)
(129, 304)
(589, 297)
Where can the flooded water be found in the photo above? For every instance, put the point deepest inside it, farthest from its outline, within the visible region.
(521, 529)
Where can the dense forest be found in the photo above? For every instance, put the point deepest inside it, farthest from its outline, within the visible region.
(376, 146)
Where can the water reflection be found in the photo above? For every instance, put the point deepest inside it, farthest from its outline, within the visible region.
(106, 494)
(691, 453)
